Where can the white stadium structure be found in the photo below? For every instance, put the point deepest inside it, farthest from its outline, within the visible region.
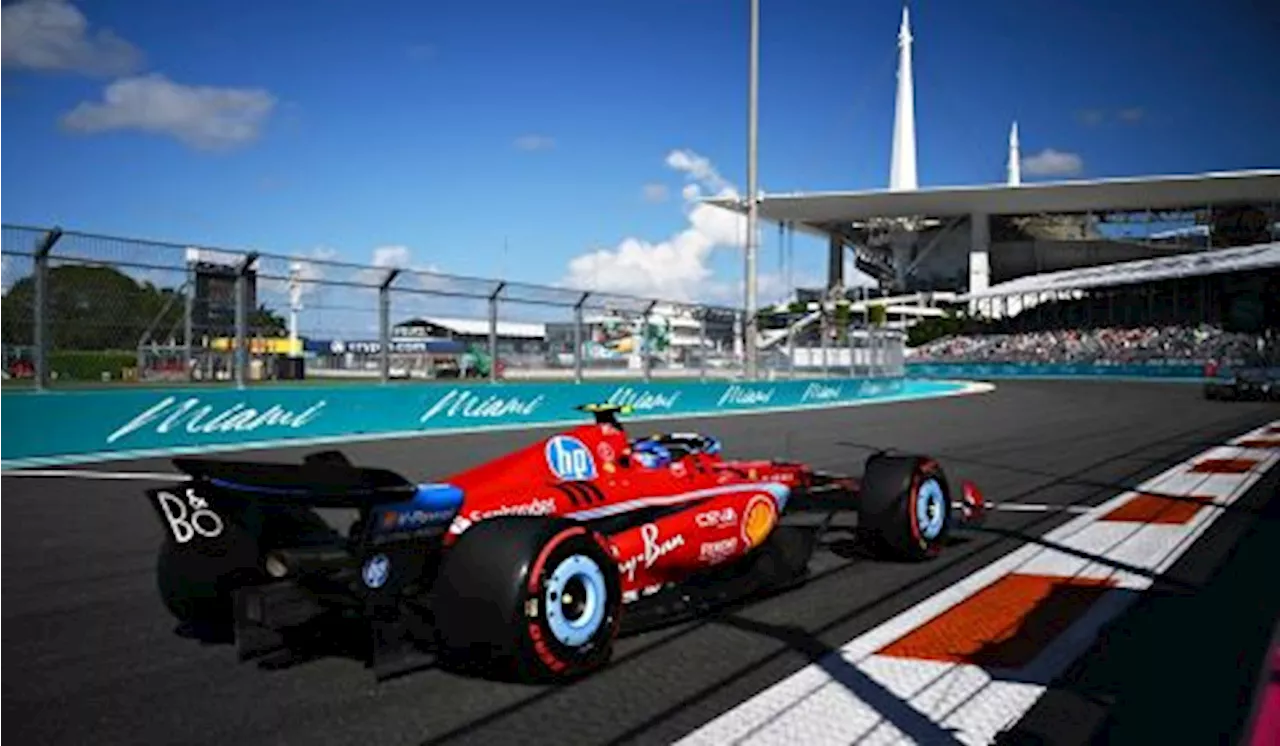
(989, 245)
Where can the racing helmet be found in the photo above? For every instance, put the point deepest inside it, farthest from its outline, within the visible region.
(651, 454)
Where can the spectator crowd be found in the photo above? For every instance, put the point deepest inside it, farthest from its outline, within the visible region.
(1153, 344)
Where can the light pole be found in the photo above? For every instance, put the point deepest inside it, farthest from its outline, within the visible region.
(753, 216)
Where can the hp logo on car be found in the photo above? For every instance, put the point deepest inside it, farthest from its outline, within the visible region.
(569, 459)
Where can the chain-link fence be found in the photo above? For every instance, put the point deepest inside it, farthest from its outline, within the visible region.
(81, 308)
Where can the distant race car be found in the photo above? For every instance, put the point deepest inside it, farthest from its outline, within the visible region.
(1254, 378)
(534, 562)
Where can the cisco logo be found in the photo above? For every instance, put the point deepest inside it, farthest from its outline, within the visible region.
(569, 458)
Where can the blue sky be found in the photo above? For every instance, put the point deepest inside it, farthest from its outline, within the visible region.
(433, 134)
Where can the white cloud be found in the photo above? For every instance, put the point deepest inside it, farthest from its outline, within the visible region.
(53, 36)
(398, 257)
(202, 117)
(310, 273)
(1132, 115)
(1091, 117)
(655, 192)
(417, 277)
(1050, 162)
(534, 142)
(678, 268)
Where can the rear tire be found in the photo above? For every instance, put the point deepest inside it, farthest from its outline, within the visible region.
(535, 598)
(529, 596)
(905, 507)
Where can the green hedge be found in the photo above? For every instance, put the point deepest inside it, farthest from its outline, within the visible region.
(89, 366)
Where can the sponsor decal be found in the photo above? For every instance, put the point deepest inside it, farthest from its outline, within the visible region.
(569, 459)
(653, 550)
(467, 405)
(545, 506)
(190, 517)
(411, 520)
(643, 400)
(759, 518)
(821, 392)
(376, 571)
(543, 652)
(196, 418)
(715, 552)
(718, 518)
(679, 469)
(633, 596)
(605, 452)
(736, 395)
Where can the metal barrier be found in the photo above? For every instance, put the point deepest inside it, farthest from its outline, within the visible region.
(81, 308)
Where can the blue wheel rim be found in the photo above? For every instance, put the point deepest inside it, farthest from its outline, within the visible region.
(931, 509)
(575, 632)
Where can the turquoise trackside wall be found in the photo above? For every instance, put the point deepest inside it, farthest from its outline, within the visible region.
(52, 426)
(1178, 371)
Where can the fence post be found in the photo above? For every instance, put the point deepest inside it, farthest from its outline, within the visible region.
(577, 337)
(853, 347)
(644, 343)
(384, 325)
(824, 326)
(242, 318)
(702, 344)
(40, 335)
(493, 331)
(791, 349)
(188, 322)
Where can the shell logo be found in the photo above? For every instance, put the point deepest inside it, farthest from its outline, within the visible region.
(758, 520)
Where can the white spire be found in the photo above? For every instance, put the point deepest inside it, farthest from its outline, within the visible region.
(902, 164)
(1015, 164)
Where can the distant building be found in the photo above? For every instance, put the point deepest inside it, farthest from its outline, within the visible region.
(514, 338)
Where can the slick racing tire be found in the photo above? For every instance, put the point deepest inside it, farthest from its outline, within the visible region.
(905, 508)
(535, 598)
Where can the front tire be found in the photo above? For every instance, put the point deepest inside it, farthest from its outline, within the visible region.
(905, 510)
(536, 598)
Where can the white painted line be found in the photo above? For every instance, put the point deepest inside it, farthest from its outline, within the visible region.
(1038, 508)
(141, 476)
(857, 694)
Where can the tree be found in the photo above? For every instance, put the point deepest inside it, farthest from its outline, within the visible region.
(101, 308)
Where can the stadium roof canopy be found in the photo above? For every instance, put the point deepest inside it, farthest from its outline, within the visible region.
(1239, 259)
(1063, 197)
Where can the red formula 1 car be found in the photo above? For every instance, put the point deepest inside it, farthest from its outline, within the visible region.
(534, 562)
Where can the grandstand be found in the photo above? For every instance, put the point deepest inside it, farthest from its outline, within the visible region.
(1146, 252)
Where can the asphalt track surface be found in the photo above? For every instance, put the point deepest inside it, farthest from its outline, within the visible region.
(90, 656)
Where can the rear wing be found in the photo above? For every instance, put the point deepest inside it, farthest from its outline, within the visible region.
(322, 480)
